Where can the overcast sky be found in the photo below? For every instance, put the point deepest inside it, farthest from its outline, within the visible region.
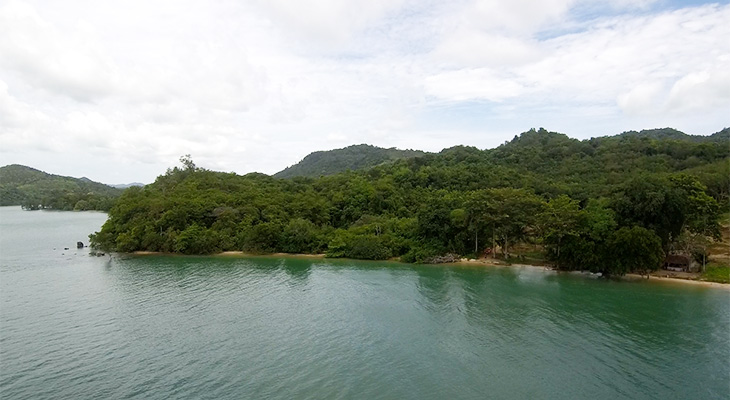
(117, 91)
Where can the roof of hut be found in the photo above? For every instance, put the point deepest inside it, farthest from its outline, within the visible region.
(677, 259)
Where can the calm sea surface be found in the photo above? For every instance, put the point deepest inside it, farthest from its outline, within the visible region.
(73, 326)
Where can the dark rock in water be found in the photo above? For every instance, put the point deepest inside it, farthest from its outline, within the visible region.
(79, 245)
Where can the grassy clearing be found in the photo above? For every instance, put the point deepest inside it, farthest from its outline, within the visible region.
(720, 251)
(716, 272)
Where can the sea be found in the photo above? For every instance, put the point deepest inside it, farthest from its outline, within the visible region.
(78, 326)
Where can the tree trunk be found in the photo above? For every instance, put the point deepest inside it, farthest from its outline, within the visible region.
(494, 245)
(476, 243)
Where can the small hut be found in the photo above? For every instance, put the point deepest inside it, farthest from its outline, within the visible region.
(677, 263)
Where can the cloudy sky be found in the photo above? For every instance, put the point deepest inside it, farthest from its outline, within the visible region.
(117, 91)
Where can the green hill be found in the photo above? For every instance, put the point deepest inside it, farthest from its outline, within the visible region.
(34, 189)
(356, 157)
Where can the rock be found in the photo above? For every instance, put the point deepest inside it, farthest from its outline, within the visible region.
(448, 258)
(79, 245)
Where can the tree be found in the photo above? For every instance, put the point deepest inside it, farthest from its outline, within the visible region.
(633, 249)
(188, 163)
(653, 203)
(583, 239)
(263, 238)
(560, 218)
(701, 212)
(195, 240)
(299, 236)
(511, 214)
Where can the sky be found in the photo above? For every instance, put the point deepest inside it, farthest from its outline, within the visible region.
(118, 91)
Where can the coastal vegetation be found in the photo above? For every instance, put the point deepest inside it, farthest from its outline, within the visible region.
(33, 190)
(716, 272)
(611, 205)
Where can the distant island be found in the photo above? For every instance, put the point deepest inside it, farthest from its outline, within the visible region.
(126, 185)
(33, 190)
(612, 205)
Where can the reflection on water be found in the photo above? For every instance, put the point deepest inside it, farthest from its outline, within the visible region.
(74, 326)
(298, 270)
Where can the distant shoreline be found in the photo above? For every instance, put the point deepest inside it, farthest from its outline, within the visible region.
(464, 262)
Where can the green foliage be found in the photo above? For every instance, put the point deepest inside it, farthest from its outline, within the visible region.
(560, 222)
(600, 204)
(356, 157)
(633, 249)
(716, 178)
(668, 206)
(196, 240)
(419, 254)
(263, 238)
(353, 245)
(715, 272)
(33, 190)
(575, 238)
(303, 236)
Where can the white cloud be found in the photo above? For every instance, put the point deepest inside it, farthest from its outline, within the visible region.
(329, 22)
(475, 48)
(642, 99)
(631, 60)
(253, 85)
(516, 16)
(701, 90)
(472, 84)
(69, 65)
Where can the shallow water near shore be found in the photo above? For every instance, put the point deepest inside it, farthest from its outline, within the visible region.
(159, 327)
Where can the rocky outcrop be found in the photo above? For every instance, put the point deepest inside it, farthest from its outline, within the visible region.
(447, 258)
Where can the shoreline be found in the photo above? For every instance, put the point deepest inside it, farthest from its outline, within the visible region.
(631, 277)
(464, 262)
(664, 279)
(244, 254)
(226, 254)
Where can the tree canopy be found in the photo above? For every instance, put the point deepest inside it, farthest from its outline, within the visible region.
(611, 204)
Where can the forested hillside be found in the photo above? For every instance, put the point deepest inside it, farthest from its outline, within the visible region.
(673, 134)
(361, 156)
(34, 189)
(611, 204)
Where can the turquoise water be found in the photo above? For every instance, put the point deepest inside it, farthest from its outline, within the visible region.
(73, 326)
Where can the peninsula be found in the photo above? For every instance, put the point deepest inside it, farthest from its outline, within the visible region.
(613, 205)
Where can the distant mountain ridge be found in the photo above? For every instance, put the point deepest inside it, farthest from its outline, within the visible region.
(673, 134)
(126, 185)
(34, 189)
(363, 156)
(355, 157)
